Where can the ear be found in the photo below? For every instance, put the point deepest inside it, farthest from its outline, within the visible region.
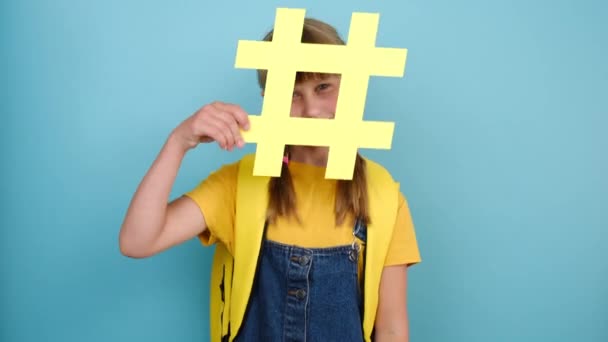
(262, 93)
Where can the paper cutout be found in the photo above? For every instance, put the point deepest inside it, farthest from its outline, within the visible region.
(356, 62)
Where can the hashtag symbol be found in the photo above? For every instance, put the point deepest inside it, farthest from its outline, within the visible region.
(356, 62)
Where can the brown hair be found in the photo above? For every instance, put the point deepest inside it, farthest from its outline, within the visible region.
(351, 195)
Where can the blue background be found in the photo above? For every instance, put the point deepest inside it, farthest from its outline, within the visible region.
(500, 146)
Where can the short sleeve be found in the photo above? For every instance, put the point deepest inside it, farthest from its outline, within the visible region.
(216, 197)
(403, 248)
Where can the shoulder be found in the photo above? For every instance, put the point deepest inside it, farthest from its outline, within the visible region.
(231, 169)
(225, 175)
(377, 172)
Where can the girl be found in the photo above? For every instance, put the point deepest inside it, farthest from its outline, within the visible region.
(313, 279)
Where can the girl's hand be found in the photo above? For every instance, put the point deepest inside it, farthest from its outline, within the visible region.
(217, 121)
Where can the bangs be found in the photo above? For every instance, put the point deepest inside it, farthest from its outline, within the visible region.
(307, 76)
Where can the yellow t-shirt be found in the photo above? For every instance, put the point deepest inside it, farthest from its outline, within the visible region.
(315, 197)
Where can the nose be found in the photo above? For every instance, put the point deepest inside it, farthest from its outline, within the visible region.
(312, 108)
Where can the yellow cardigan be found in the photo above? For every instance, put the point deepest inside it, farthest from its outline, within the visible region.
(232, 276)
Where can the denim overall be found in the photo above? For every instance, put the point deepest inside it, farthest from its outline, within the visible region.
(306, 294)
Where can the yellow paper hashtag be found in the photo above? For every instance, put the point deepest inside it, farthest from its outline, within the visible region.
(356, 62)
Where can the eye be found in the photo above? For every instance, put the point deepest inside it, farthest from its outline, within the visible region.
(323, 86)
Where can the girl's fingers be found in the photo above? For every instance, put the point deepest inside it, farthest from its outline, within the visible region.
(216, 130)
(241, 117)
(232, 125)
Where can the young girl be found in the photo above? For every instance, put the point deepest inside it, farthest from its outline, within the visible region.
(332, 258)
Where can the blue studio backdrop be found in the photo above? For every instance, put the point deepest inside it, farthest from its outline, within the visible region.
(500, 147)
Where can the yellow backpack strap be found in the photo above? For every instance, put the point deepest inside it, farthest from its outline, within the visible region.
(383, 194)
(251, 206)
(231, 282)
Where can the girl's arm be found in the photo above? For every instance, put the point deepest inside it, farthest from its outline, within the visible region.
(391, 319)
(151, 224)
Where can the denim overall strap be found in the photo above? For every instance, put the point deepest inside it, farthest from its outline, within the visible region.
(360, 232)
